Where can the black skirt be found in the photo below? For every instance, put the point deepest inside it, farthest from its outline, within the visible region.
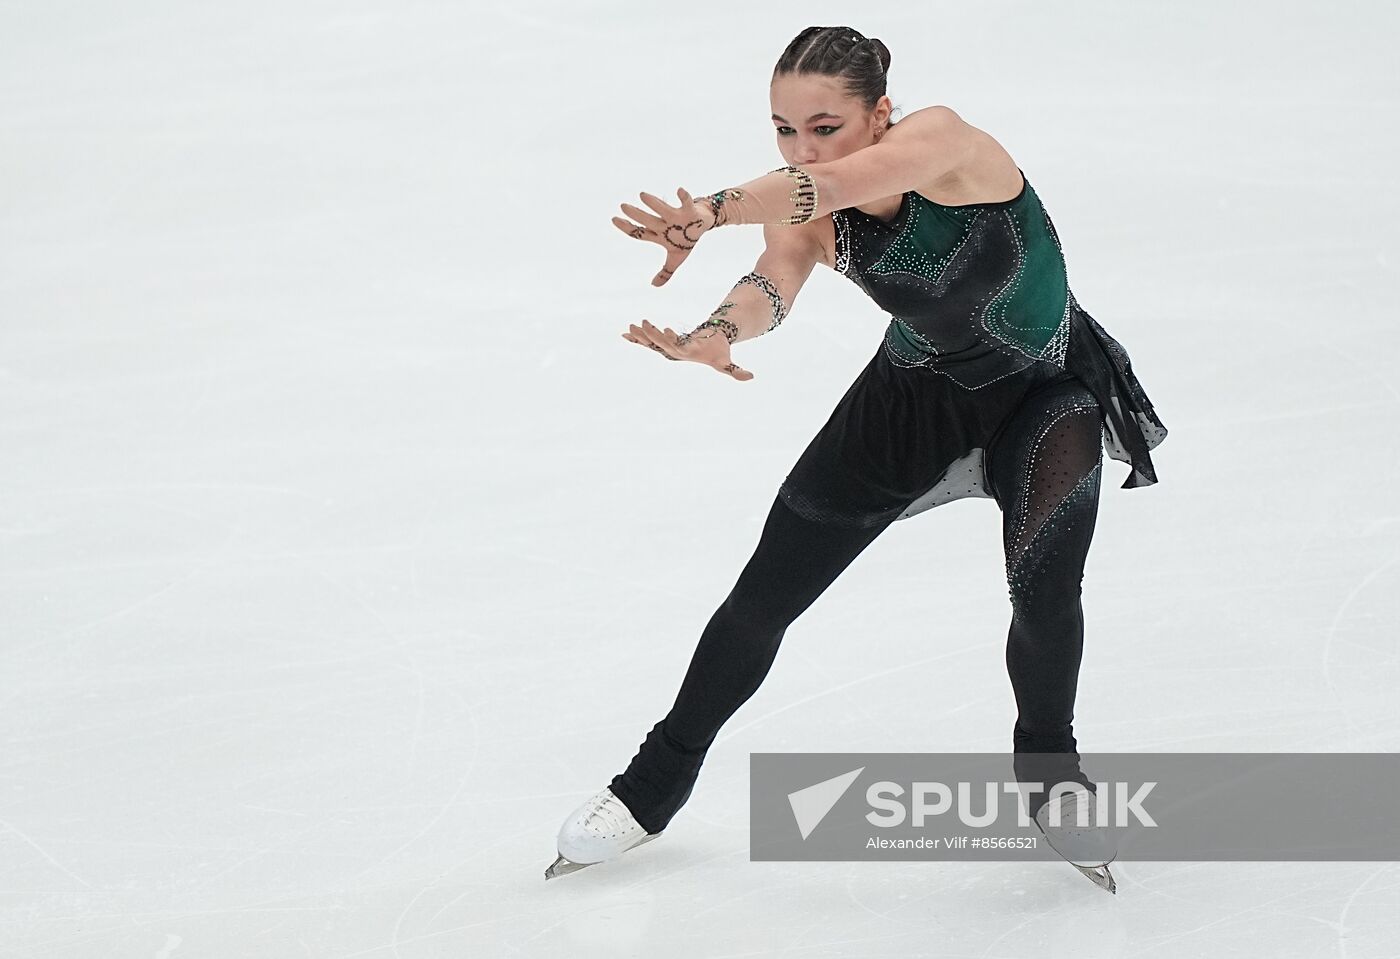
(904, 439)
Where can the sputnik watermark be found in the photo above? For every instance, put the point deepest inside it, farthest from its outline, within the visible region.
(932, 799)
(891, 805)
(1165, 807)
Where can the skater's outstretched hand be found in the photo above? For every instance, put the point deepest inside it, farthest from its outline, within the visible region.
(705, 345)
(676, 228)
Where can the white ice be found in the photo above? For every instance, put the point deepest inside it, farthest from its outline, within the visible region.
(346, 546)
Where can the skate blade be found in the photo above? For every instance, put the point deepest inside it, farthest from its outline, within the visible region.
(562, 866)
(1099, 876)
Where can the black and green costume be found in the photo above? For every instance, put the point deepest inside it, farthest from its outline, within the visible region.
(981, 310)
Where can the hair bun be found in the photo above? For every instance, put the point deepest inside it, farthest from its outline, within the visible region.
(883, 52)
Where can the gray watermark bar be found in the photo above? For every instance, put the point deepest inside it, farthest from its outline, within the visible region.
(1224, 807)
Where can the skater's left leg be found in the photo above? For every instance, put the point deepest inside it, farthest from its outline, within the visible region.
(1045, 471)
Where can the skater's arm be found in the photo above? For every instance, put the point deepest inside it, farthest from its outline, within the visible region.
(918, 150)
(761, 299)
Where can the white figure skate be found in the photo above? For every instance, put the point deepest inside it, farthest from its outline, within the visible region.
(1087, 848)
(599, 830)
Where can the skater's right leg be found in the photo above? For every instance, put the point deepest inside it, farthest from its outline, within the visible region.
(795, 561)
(1045, 471)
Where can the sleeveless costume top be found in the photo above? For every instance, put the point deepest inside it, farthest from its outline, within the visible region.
(981, 314)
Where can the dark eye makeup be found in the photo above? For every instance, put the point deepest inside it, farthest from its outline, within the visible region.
(823, 127)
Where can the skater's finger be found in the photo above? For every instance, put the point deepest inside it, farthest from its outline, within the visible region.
(660, 206)
(633, 230)
(644, 218)
(655, 334)
(666, 344)
(638, 335)
(673, 341)
(652, 337)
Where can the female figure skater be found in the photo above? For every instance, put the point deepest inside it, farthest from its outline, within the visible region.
(991, 381)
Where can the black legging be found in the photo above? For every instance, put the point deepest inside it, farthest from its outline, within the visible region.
(1044, 471)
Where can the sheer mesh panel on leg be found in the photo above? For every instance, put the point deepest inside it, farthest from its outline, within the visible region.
(1057, 462)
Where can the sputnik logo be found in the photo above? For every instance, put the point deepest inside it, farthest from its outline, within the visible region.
(811, 804)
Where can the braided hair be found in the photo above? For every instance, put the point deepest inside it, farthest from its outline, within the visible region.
(859, 61)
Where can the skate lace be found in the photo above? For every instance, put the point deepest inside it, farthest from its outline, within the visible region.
(609, 811)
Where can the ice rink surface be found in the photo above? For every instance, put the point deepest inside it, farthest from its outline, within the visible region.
(346, 547)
